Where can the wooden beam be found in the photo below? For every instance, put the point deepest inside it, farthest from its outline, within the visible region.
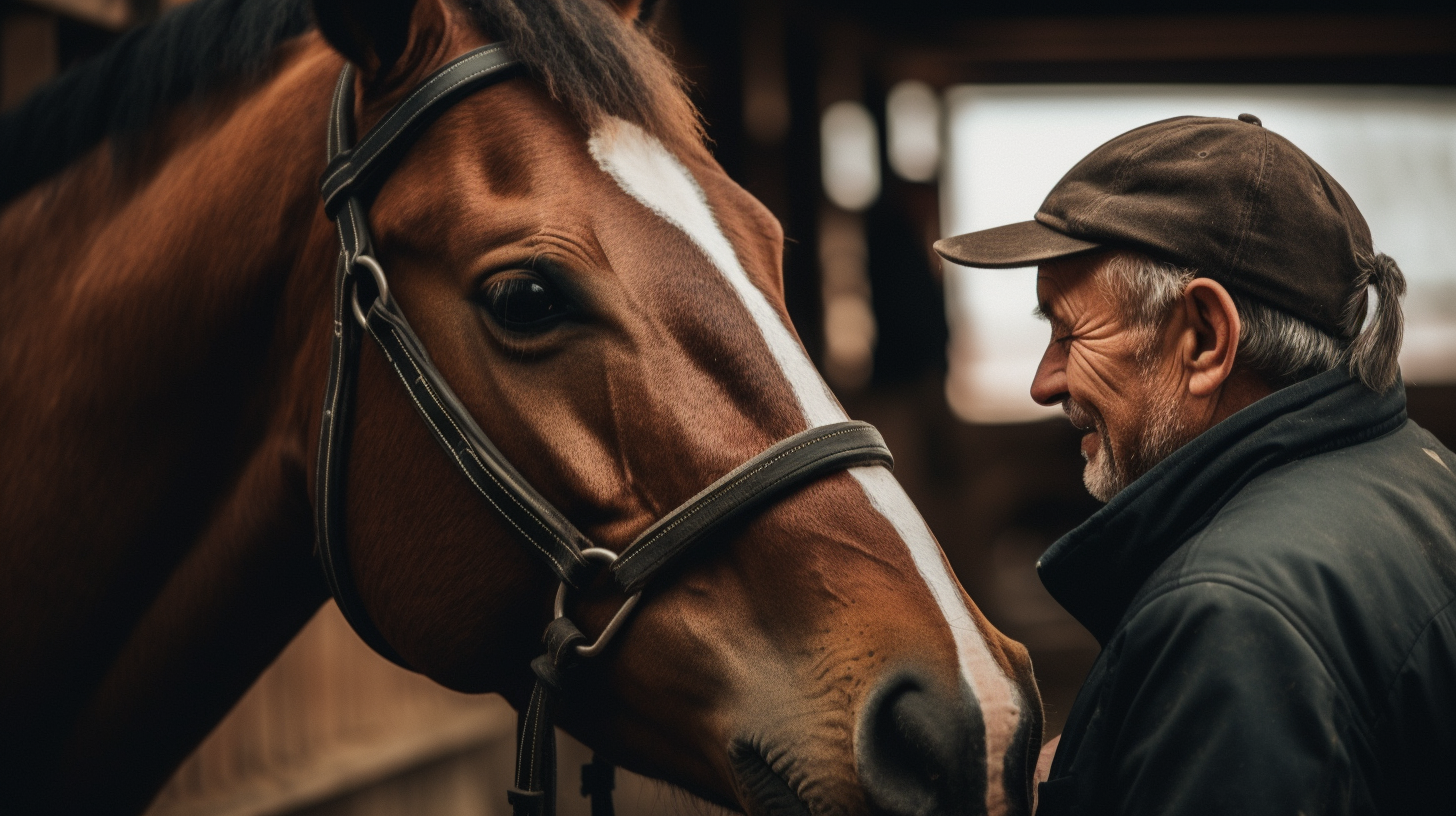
(27, 53)
(966, 47)
(109, 14)
(1205, 38)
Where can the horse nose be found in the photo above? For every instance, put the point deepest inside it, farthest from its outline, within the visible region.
(921, 749)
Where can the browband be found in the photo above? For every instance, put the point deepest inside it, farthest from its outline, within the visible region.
(360, 171)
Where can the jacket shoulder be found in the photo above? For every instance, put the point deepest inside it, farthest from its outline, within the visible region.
(1356, 547)
(1388, 504)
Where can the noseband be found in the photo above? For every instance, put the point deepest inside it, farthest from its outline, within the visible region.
(354, 175)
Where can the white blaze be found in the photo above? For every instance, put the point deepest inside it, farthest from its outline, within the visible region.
(653, 176)
(649, 173)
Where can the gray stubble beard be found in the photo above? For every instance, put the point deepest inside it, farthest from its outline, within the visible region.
(1162, 433)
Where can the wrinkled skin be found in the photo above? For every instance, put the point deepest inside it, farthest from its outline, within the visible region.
(1139, 392)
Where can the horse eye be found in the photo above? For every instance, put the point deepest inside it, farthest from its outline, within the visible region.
(523, 302)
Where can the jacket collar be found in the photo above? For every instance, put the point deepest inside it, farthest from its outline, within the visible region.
(1096, 570)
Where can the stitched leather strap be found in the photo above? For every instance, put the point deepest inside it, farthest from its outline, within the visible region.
(534, 793)
(359, 171)
(335, 428)
(533, 518)
(801, 458)
(333, 452)
(598, 780)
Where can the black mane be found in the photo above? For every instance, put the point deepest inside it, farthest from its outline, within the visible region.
(591, 62)
(182, 55)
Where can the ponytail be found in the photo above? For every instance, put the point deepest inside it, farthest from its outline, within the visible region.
(1374, 353)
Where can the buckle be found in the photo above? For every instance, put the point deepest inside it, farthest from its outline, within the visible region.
(606, 557)
(382, 285)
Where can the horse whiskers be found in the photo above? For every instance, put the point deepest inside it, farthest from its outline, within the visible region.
(769, 768)
(766, 789)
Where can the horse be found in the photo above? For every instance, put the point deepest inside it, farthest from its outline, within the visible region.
(602, 298)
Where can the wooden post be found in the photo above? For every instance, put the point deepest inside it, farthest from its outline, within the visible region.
(27, 53)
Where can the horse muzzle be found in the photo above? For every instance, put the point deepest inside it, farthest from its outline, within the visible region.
(920, 749)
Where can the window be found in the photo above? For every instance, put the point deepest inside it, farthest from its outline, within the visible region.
(1393, 149)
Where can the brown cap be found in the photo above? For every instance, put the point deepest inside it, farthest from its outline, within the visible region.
(1236, 202)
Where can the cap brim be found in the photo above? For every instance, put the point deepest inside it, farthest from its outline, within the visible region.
(1025, 244)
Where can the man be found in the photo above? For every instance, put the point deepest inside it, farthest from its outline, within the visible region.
(1273, 579)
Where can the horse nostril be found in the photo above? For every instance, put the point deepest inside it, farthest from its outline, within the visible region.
(921, 751)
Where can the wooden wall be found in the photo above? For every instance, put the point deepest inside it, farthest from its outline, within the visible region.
(330, 717)
(332, 729)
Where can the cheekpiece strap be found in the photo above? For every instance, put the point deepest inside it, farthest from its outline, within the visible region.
(555, 539)
(332, 465)
(534, 793)
(336, 425)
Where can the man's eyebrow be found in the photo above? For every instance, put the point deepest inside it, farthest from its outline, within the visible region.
(1043, 311)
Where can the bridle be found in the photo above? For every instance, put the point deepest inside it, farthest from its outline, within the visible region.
(354, 175)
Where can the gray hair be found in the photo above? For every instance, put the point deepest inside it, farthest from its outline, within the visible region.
(1274, 344)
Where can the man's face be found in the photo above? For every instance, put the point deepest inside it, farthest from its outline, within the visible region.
(1109, 376)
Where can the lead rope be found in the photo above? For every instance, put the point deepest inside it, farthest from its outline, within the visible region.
(535, 790)
(598, 778)
(354, 174)
(566, 647)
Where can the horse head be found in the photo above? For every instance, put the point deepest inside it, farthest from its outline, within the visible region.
(608, 304)
(605, 303)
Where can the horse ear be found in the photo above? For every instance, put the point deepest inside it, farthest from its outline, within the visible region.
(372, 34)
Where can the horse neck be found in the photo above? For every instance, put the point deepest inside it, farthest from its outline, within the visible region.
(141, 271)
(163, 340)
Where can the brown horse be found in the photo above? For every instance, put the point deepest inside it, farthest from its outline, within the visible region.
(605, 301)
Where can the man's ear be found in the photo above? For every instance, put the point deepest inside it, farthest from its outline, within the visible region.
(1212, 339)
(372, 34)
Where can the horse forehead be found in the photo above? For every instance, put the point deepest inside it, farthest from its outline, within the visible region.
(703, 208)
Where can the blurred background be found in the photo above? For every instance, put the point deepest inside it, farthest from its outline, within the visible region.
(870, 130)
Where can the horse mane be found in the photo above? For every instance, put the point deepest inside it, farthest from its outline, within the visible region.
(586, 57)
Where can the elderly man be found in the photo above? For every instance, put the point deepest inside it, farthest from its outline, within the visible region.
(1273, 578)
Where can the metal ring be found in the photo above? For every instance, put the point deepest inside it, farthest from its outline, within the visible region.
(607, 557)
(368, 262)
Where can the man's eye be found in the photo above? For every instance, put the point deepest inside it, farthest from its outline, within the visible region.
(521, 301)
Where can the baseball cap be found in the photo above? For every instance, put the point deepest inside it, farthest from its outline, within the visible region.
(1226, 197)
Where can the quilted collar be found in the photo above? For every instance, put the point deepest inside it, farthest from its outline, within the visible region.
(1096, 570)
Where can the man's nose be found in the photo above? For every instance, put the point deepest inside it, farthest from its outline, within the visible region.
(1049, 387)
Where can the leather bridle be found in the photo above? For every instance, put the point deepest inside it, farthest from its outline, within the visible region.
(353, 177)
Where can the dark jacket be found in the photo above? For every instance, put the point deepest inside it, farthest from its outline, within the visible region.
(1275, 607)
